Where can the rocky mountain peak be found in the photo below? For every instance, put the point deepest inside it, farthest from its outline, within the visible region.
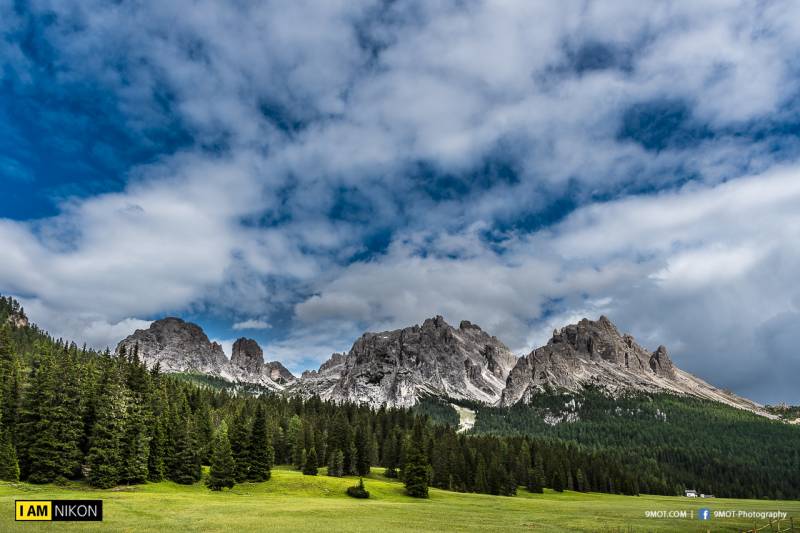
(435, 323)
(596, 353)
(180, 346)
(247, 356)
(400, 366)
(466, 324)
(278, 373)
(600, 340)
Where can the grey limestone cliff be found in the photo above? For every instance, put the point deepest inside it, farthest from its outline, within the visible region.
(179, 346)
(401, 366)
(595, 353)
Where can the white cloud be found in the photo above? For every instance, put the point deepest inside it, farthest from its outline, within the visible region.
(312, 102)
(252, 324)
(700, 270)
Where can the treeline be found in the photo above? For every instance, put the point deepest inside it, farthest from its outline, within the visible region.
(70, 414)
(673, 442)
(67, 413)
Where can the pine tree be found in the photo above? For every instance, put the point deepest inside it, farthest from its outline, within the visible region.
(105, 460)
(155, 455)
(223, 467)
(340, 437)
(205, 432)
(310, 466)
(182, 464)
(240, 446)
(392, 453)
(481, 476)
(50, 432)
(295, 438)
(440, 461)
(135, 446)
(362, 462)
(580, 480)
(156, 467)
(535, 480)
(390, 456)
(336, 464)
(261, 452)
(352, 466)
(10, 381)
(557, 482)
(415, 470)
(9, 467)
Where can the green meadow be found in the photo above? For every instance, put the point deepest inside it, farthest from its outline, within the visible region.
(293, 502)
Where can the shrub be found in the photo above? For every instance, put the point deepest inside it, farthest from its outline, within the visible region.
(358, 491)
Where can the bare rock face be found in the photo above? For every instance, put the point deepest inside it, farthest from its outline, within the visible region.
(18, 320)
(177, 346)
(247, 357)
(247, 364)
(398, 367)
(180, 346)
(278, 373)
(596, 353)
(661, 364)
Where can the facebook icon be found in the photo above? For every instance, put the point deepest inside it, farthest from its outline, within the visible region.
(704, 514)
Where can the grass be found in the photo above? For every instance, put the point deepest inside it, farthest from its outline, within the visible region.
(293, 502)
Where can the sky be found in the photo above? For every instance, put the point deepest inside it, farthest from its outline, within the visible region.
(302, 172)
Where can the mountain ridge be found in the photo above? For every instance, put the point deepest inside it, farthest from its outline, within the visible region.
(399, 367)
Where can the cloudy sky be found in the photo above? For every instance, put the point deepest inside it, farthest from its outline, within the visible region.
(299, 172)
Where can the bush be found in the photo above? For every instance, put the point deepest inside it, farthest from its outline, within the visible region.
(358, 491)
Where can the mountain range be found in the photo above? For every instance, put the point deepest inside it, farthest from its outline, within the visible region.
(435, 359)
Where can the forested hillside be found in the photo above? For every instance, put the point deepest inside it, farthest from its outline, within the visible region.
(670, 439)
(70, 413)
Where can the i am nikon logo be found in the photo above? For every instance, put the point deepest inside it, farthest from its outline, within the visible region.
(59, 510)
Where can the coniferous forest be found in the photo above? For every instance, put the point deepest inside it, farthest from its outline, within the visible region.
(68, 413)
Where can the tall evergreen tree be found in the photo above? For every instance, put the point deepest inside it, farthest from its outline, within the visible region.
(481, 476)
(9, 467)
(205, 432)
(391, 459)
(362, 446)
(415, 470)
(295, 438)
(157, 428)
(557, 483)
(261, 451)
(535, 483)
(135, 446)
(310, 466)
(183, 464)
(51, 425)
(336, 464)
(240, 446)
(223, 467)
(10, 381)
(580, 480)
(105, 460)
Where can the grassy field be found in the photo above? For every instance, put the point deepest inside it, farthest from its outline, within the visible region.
(293, 502)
